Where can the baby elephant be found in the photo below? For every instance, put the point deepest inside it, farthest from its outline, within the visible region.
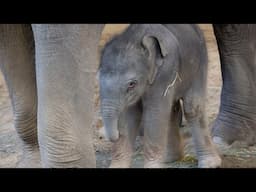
(144, 74)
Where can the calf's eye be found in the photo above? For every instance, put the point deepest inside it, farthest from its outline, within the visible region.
(132, 84)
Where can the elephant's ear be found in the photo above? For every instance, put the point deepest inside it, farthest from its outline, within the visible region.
(156, 51)
(158, 42)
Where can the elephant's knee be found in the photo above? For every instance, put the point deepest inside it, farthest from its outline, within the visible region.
(194, 108)
(62, 141)
(193, 112)
(25, 121)
(56, 153)
(59, 148)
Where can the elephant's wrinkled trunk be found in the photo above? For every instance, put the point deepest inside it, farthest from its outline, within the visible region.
(111, 129)
(110, 116)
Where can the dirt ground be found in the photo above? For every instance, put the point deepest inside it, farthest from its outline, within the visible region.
(237, 156)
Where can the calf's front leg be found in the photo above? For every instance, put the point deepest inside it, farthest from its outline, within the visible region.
(156, 122)
(128, 125)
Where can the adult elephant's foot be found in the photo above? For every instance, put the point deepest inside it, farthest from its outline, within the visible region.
(229, 130)
(30, 158)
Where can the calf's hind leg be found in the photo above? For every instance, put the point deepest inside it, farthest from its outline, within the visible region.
(194, 108)
(174, 150)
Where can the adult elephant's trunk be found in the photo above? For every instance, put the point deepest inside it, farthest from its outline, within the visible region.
(110, 115)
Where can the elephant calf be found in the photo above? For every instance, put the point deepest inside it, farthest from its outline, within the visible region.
(144, 73)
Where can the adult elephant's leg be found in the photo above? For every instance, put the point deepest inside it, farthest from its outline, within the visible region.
(66, 63)
(236, 120)
(18, 66)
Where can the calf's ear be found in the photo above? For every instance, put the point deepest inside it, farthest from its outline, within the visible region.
(156, 50)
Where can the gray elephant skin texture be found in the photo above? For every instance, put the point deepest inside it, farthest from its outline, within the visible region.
(144, 73)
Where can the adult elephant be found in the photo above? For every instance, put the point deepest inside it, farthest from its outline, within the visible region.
(49, 70)
(236, 120)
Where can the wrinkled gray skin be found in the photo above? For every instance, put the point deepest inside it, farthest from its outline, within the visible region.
(236, 120)
(236, 43)
(49, 71)
(136, 69)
